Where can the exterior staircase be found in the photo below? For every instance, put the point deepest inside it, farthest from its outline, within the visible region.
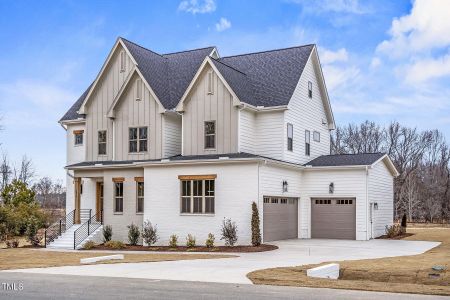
(65, 241)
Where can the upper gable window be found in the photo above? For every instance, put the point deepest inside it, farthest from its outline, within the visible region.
(309, 89)
(78, 135)
(138, 89)
(102, 142)
(290, 137)
(210, 83)
(210, 134)
(123, 61)
(137, 139)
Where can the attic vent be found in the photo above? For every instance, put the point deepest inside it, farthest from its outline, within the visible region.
(210, 83)
(123, 61)
(138, 89)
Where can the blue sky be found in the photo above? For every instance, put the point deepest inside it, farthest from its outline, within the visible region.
(382, 60)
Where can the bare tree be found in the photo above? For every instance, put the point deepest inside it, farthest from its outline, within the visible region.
(5, 171)
(25, 172)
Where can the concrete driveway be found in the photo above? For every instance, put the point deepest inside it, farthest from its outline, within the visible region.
(233, 270)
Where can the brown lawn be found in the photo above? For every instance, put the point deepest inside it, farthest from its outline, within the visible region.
(20, 258)
(406, 274)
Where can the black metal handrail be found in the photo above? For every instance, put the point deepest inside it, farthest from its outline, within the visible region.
(58, 228)
(88, 227)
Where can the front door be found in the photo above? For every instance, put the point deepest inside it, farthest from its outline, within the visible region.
(99, 200)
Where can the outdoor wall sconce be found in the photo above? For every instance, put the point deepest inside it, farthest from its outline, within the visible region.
(285, 186)
(331, 188)
(375, 206)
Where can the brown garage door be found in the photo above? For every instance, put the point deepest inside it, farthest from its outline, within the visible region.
(333, 218)
(280, 220)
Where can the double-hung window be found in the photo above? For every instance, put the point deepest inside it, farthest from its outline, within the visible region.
(78, 135)
(102, 142)
(307, 142)
(310, 89)
(140, 197)
(210, 134)
(137, 139)
(118, 197)
(197, 195)
(290, 137)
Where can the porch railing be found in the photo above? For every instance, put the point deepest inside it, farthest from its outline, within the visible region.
(58, 228)
(88, 227)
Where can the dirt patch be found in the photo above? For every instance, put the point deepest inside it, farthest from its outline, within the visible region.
(405, 274)
(34, 258)
(226, 249)
(398, 237)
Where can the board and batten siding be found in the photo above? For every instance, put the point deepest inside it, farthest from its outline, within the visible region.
(381, 191)
(200, 107)
(172, 135)
(132, 113)
(348, 183)
(271, 179)
(100, 100)
(306, 113)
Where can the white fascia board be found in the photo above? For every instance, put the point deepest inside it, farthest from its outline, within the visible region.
(250, 107)
(311, 168)
(388, 162)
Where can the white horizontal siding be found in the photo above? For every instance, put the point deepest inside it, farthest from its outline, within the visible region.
(381, 191)
(347, 183)
(247, 131)
(269, 134)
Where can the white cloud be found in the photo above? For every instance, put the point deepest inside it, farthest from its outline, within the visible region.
(223, 24)
(427, 69)
(338, 77)
(425, 28)
(197, 7)
(328, 56)
(375, 63)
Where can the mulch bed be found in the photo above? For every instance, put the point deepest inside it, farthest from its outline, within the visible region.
(261, 248)
(398, 237)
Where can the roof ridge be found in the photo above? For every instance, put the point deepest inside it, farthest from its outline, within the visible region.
(265, 51)
(188, 50)
(228, 66)
(143, 47)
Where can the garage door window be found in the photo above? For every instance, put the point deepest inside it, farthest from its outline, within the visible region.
(344, 201)
(266, 200)
(284, 201)
(323, 201)
(274, 200)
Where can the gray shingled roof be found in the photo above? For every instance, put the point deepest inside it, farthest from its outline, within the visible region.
(261, 79)
(362, 159)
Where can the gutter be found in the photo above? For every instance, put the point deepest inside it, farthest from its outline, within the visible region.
(263, 108)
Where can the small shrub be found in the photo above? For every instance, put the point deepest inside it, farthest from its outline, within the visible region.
(150, 233)
(115, 244)
(393, 230)
(173, 241)
(88, 245)
(210, 240)
(229, 232)
(190, 241)
(133, 234)
(12, 243)
(107, 233)
(32, 232)
(256, 233)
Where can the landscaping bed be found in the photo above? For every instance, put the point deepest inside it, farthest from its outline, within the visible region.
(398, 237)
(403, 274)
(226, 249)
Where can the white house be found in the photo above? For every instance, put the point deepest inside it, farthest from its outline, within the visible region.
(187, 139)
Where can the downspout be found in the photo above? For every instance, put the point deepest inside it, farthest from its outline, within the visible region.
(113, 140)
(367, 204)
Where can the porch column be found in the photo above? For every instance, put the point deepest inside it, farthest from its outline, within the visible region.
(77, 186)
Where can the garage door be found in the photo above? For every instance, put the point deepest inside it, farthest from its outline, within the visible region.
(333, 218)
(280, 220)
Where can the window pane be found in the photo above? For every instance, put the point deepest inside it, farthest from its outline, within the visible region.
(210, 141)
(143, 133)
(307, 136)
(186, 188)
(210, 127)
(186, 205)
(140, 189)
(132, 133)
(290, 130)
(197, 188)
(102, 149)
(198, 205)
(209, 187)
(78, 139)
(209, 205)
(140, 205)
(133, 146)
(102, 136)
(142, 145)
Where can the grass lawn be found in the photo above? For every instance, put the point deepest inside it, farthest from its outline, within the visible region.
(20, 258)
(405, 274)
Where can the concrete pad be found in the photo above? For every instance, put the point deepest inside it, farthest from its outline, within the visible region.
(91, 260)
(234, 270)
(329, 271)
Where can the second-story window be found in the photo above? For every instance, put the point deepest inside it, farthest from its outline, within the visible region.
(78, 136)
(307, 142)
(123, 61)
(316, 136)
(210, 82)
(138, 89)
(137, 139)
(102, 142)
(309, 89)
(210, 134)
(290, 137)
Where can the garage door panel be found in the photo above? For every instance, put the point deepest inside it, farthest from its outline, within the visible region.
(333, 218)
(280, 219)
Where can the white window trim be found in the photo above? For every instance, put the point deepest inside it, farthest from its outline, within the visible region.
(139, 197)
(191, 197)
(138, 140)
(117, 197)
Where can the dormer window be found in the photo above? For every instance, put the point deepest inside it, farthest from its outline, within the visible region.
(78, 136)
(123, 61)
(138, 89)
(309, 89)
(210, 83)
